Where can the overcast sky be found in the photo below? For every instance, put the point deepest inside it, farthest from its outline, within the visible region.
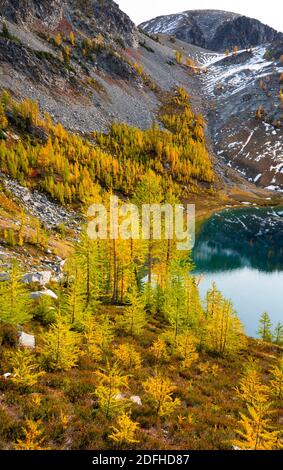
(269, 11)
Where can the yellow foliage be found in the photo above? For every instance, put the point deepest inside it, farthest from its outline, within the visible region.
(160, 390)
(25, 369)
(186, 349)
(3, 118)
(125, 430)
(72, 38)
(70, 167)
(66, 55)
(138, 68)
(97, 337)
(64, 420)
(111, 382)
(178, 57)
(128, 357)
(251, 389)
(159, 350)
(256, 433)
(61, 349)
(58, 39)
(225, 333)
(33, 436)
(277, 381)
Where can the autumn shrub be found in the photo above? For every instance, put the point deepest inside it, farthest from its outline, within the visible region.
(124, 431)
(44, 310)
(8, 336)
(25, 369)
(79, 390)
(9, 428)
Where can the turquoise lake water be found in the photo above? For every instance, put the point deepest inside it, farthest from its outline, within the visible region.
(241, 250)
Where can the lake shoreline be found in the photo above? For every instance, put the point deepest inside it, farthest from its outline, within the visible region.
(247, 268)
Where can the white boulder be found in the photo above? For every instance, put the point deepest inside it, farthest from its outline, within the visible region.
(42, 278)
(136, 399)
(41, 293)
(7, 375)
(27, 341)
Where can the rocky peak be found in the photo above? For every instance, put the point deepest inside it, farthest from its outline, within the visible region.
(213, 29)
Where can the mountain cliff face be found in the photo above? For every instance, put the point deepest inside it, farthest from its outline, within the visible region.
(29, 12)
(75, 88)
(110, 71)
(212, 29)
(89, 16)
(244, 112)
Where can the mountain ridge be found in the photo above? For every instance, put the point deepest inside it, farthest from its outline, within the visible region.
(213, 29)
(115, 73)
(67, 14)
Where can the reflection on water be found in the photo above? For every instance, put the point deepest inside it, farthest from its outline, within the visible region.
(242, 251)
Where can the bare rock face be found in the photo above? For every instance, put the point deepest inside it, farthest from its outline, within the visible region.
(47, 12)
(89, 16)
(103, 14)
(275, 50)
(242, 32)
(213, 29)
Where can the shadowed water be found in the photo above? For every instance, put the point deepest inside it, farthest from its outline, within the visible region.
(242, 251)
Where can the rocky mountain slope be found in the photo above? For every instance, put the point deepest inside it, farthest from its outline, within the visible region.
(90, 17)
(88, 65)
(212, 29)
(245, 113)
(242, 100)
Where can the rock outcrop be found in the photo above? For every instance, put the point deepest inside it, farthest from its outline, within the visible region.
(31, 12)
(89, 17)
(212, 29)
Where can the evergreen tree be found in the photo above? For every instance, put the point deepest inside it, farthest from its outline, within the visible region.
(3, 118)
(278, 334)
(73, 305)
(58, 39)
(124, 432)
(251, 390)
(15, 306)
(265, 329)
(88, 261)
(159, 350)
(149, 191)
(277, 381)
(133, 319)
(66, 55)
(128, 357)
(186, 349)
(111, 382)
(159, 390)
(225, 334)
(5, 31)
(256, 431)
(194, 311)
(97, 337)
(175, 307)
(25, 369)
(72, 38)
(61, 348)
(33, 436)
